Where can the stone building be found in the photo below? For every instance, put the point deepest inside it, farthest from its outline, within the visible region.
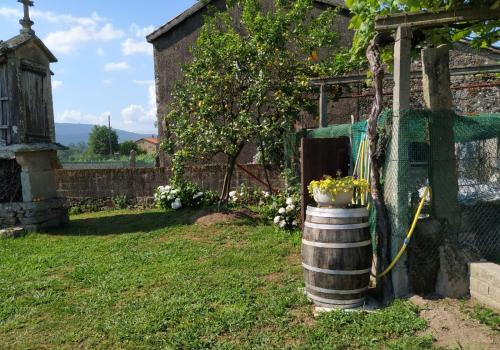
(150, 145)
(173, 40)
(28, 152)
(171, 49)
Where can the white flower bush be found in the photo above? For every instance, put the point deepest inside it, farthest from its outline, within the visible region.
(185, 195)
(284, 211)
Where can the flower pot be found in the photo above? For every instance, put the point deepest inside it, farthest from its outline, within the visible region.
(341, 200)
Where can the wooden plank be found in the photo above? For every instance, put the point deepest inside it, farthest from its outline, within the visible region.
(416, 74)
(4, 107)
(425, 19)
(35, 104)
(322, 157)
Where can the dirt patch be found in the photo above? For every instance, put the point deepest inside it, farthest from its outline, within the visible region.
(452, 328)
(275, 277)
(206, 218)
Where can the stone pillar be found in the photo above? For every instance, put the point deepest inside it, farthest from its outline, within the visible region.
(133, 162)
(38, 177)
(443, 167)
(396, 189)
(323, 106)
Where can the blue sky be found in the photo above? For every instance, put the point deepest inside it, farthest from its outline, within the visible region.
(105, 64)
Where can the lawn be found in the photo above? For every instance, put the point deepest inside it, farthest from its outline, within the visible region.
(153, 280)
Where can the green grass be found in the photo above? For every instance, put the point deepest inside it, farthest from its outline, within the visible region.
(483, 315)
(151, 280)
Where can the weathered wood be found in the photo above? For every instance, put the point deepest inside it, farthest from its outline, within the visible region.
(4, 108)
(35, 104)
(423, 19)
(416, 74)
(323, 107)
(382, 218)
(321, 157)
(337, 256)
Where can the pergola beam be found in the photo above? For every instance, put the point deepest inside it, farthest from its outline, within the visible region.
(417, 20)
(417, 74)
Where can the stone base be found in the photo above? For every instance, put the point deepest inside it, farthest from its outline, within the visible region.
(35, 216)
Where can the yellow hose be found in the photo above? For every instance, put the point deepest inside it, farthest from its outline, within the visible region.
(410, 233)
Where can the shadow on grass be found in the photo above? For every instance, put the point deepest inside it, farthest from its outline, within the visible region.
(115, 223)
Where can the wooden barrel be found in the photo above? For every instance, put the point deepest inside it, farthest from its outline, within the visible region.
(336, 256)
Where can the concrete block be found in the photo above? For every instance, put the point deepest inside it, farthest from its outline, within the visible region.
(479, 287)
(486, 271)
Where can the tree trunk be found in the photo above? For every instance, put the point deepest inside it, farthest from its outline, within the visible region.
(382, 220)
(226, 186)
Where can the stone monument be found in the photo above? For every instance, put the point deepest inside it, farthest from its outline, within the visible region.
(28, 151)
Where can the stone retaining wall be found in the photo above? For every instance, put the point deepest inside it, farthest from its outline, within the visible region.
(139, 184)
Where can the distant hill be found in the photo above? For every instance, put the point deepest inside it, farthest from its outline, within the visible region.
(67, 134)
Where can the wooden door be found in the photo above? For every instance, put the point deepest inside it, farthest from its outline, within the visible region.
(35, 104)
(322, 157)
(4, 108)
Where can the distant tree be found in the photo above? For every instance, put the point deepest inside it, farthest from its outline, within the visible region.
(99, 141)
(128, 146)
(74, 153)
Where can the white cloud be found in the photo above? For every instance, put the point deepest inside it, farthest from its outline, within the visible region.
(137, 114)
(10, 12)
(75, 116)
(116, 66)
(132, 47)
(100, 52)
(68, 41)
(56, 84)
(107, 82)
(141, 32)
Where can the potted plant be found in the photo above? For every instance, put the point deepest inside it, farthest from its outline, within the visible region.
(337, 192)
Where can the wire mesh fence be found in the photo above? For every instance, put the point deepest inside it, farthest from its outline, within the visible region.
(10, 181)
(459, 157)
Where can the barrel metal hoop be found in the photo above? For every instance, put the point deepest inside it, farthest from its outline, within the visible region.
(353, 302)
(335, 291)
(337, 213)
(336, 245)
(336, 272)
(336, 227)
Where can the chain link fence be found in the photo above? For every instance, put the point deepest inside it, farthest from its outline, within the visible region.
(10, 181)
(464, 172)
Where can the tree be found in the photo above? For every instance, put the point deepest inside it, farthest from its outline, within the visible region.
(480, 34)
(99, 141)
(248, 81)
(128, 146)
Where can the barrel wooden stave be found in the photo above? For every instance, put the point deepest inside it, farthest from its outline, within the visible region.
(338, 289)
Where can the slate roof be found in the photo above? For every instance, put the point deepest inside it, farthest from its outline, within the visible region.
(22, 39)
(201, 5)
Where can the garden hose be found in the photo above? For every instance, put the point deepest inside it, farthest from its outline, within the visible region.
(410, 233)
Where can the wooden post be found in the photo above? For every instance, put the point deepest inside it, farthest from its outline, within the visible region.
(323, 106)
(396, 190)
(438, 98)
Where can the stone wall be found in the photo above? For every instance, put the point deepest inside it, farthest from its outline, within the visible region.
(138, 185)
(172, 50)
(34, 216)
